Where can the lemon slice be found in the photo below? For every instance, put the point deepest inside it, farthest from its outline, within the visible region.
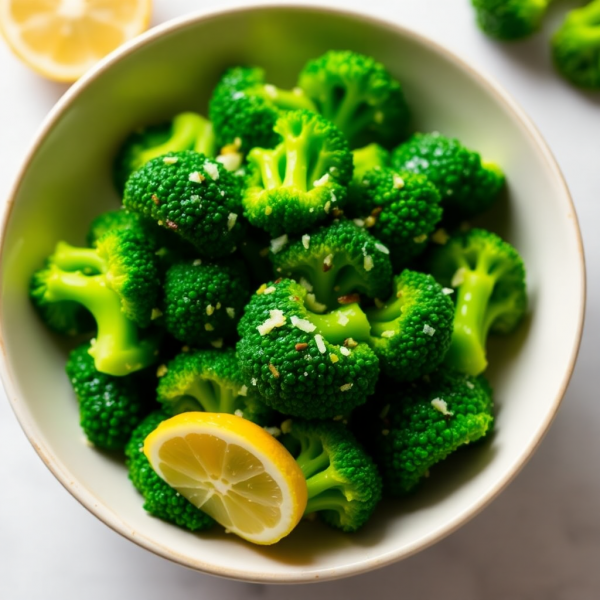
(61, 39)
(233, 470)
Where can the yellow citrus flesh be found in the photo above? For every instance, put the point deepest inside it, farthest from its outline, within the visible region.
(233, 470)
(61, 39)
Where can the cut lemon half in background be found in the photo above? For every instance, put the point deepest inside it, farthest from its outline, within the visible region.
(61, 39)
(233, 470)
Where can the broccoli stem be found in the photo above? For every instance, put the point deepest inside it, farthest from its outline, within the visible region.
(297, 152)
(211, 396)
(117, 349)
(312, 457)
(268, 164)
(384, 318)
(341, 324)
(206, 142)
(348, 115)
(332, 499)
(288, 99)
(71, 258)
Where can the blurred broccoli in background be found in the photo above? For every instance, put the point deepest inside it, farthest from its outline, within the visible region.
(510, 19)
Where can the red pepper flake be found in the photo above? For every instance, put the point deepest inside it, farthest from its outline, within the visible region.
(171, 225)
(376, 211)
(349, 299)
(295, 299)
(155, 199)
(301, 347)
(278, 280)
(274, 371)
(337, 213)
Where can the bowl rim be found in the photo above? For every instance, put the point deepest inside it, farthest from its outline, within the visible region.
(86, 498)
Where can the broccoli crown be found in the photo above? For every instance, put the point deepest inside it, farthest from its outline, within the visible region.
(576, 46)
(488, 275)
(113, 220)
(302, 363)
(411, 332)
(467, 185)
(359, 95)
(344, 485)
(192, 196)
(186, 131)
(298, 183)
(245, 108)
(509, 19)
(110, 408)
(203, 301)
(422, 423)
(369, 157)
(400, 209)
(161, 500)
(209, 380)
(336, 261)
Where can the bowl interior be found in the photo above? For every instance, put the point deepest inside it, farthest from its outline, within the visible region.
(67, 181)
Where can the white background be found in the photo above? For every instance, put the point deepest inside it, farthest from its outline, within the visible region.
(540, 539)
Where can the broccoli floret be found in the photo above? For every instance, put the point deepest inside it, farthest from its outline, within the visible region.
(113, 220)
(211, 381)
(344, 485)
(509, 19)
(117, 282)
(110, 408)
(369, 157)
(411, 332)
(488, 275)
(302, 363)
(203, 301)
(400, 209)
(186, 131)
(467, 185)
(245, 108)
(161, 500)
(192, 196)
(576, 46)
(298, 183)
(359, 95)
(419, 425)
(335, 262)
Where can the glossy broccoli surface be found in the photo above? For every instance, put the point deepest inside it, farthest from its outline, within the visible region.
(203, 301)
(369, 157)
(302, 180)
(344, 485)
(110, 408)
(576, 46)
(305, 364)
(192, 196)
(186, 131)
(411, 332)
(160, 499)
(334, 262)
(467, 185)
(510, 19)
(117, 282)
(244, 108)
(488, 276)
(422, 423)
(359, 95)
(400, 209)
(211, 381)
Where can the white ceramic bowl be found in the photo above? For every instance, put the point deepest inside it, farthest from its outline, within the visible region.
(65, 181)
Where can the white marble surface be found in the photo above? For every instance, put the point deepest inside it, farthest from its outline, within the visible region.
(540, 539)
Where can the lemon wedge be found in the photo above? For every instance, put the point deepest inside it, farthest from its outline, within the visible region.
(233, 470)
(61, 39)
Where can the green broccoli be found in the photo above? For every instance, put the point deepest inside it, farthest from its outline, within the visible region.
(488, 275)
(336, 261)
(110, 408)
(419, 425)
(117, 282)
(576, 46)
(467, 185)
(244, 108)
(209, 380)
(192, 196)
(302, 363)
(510, 19)
(112, 220)
(344, 485)
(161, 500)
(411, 332)
(203, 301)
(302, 180)
(369, 157)
(186, 131)
(359, 95)
(400, 209)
